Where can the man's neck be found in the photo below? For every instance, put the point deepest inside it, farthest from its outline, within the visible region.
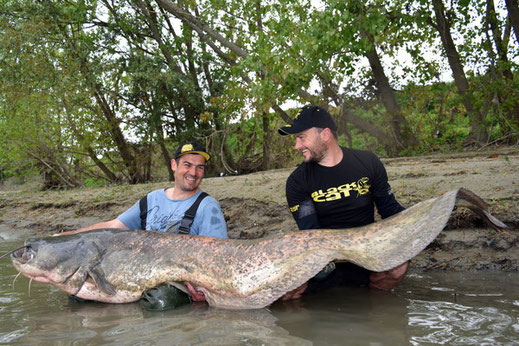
(175, 194)
(333, 156)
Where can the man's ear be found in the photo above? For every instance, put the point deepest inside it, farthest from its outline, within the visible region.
(326, 134)
(173, 165)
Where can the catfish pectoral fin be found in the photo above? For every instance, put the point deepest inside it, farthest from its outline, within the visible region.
(99, 278)
(76, 279)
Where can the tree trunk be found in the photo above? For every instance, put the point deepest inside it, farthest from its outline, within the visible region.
(203, 29)
(502, 64)
(192, 20)
(477, 133)
(513, 13)
(107, 172)
(164, 151)
(192, 108)
(113, 123)
(403, 136)
(129, 160)
(111, 177)
(267, 138)
(501, 45)
(55, 174)
(364, 125)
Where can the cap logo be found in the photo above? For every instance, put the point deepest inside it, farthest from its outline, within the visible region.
(186, 147)
(298, 114)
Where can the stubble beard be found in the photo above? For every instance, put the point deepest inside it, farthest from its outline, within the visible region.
(189, 188)
(317, 154)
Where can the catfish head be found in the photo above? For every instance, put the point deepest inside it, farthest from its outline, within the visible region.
(66, 262)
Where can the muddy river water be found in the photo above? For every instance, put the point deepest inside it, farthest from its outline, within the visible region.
(426, 309)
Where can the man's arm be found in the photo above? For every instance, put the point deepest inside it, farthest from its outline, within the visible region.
(115, 223)
(305, 215)
(388, 205)
(383, 195)
(301, 205)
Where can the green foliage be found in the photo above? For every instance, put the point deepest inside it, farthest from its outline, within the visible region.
(66, 66)
(94, 182)
(246, 140)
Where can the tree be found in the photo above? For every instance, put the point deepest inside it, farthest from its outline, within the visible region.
(513, 14)
(443, 25)
(107, 89)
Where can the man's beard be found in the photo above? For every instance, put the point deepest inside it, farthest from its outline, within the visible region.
(318, 154)
(187, 187)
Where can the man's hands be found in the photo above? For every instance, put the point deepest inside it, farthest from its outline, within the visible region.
(389, 279)
(196, 296)
(295, 294)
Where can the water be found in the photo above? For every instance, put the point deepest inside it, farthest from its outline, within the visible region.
(426, 309)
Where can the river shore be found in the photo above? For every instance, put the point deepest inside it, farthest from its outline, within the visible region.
(254, 205)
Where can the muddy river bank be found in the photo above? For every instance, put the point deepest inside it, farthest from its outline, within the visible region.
(254, 205)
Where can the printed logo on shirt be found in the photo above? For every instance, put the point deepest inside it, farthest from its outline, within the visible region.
(164, 221)
(303, 209)
(333, 193)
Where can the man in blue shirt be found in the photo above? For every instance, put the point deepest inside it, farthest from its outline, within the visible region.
(166, 207)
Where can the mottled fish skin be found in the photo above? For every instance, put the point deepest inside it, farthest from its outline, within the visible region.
(116, 266)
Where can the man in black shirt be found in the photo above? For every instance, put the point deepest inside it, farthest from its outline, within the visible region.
(337, 187)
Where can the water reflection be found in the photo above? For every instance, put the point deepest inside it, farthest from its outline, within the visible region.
(130, 324)
(432, 308)
(368, 316)
(48, 316)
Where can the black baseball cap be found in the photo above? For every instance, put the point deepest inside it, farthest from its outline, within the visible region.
(308, 117)
(192, 148)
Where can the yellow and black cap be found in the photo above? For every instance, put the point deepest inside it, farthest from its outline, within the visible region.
(308, 117)
(192, 148)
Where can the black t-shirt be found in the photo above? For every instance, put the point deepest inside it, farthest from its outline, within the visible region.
(341, 196)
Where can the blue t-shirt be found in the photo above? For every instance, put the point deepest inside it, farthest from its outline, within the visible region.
(165, 214)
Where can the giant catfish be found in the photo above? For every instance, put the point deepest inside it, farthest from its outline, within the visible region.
(117, 266)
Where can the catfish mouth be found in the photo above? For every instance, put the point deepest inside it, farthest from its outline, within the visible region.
(23, 260)
(23, 254)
